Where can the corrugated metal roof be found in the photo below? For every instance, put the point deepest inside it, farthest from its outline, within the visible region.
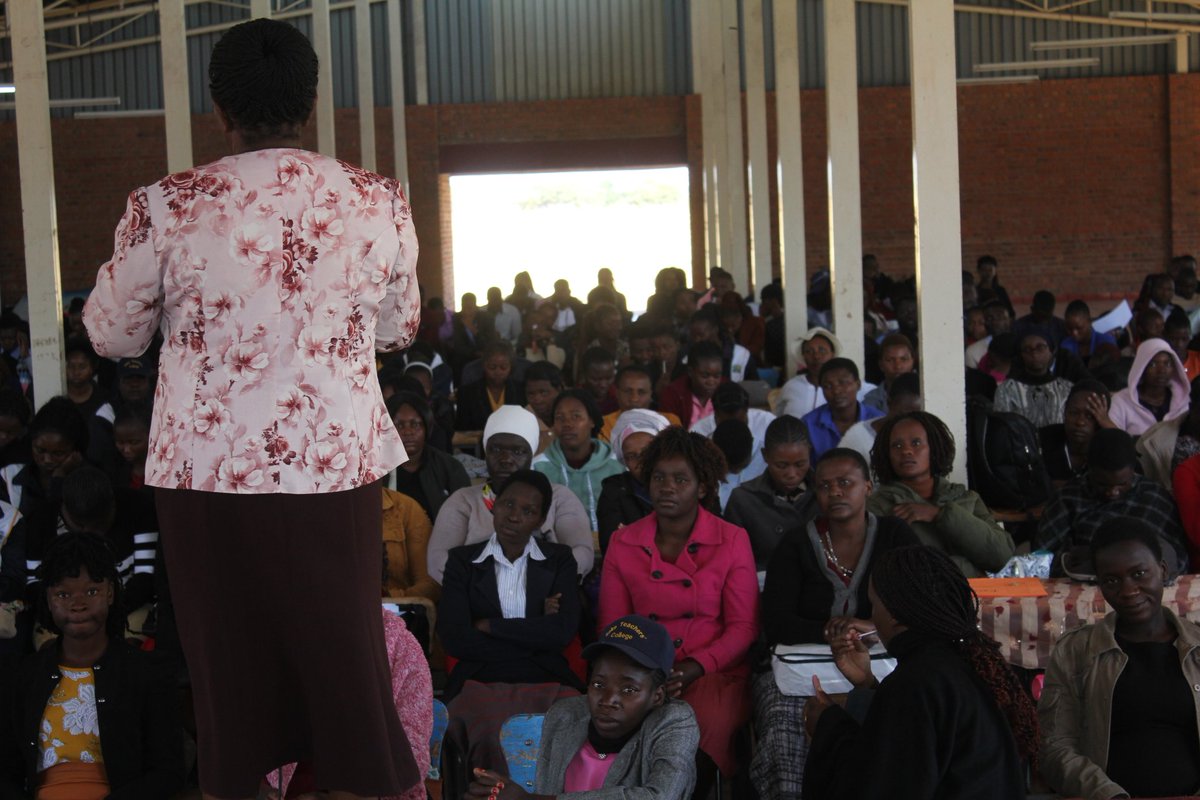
(517, 50)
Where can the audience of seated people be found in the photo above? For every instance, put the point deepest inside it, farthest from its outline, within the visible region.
(816, 590)
(633, 482)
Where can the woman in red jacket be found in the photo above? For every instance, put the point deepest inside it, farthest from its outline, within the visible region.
(688, 569)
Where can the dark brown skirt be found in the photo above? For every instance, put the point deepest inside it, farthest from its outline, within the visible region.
(277, 598)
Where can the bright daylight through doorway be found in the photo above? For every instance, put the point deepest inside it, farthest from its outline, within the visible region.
(568, 225)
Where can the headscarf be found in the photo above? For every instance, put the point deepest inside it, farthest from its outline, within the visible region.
(637, 420)
(515, 420)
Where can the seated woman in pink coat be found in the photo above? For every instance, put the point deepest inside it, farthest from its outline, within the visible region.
(688, 569)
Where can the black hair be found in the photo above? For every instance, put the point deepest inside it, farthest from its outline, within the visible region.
(834, 364)
(896, 340)
(60, 415)
(1003, 345)
(849, 454)
(985, 261)
(596, 355)
(537, 480)
(497, 347)
(634, 369)
(903, 385)
(81, 345)
(88, 498)
(13, 404)
(735, 441)
(589, 405)
(1077, 307)
(704, 457)
(67, 556)
(1111, 449)
(706, 316)
(544, 371)
(1177, 320)
(414, 401)
(436, 304)
(786, 430)
(263, 75)
(940, 440)
(1193, 395)
(1044, 300)
(772, 291)
(1091, 386)
(994, 303)
(730, 398)
(657, 676)
(1126, 529)
(926, 591)
(704, 351)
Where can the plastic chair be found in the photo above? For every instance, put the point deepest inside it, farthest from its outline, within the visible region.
(520, 739)
(441, 720)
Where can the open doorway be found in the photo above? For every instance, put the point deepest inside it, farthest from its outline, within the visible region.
(569, 225)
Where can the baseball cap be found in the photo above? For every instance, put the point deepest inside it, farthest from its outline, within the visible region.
(136, 366)
(642, 639)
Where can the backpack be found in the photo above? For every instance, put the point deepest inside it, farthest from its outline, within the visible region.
(1004, 459)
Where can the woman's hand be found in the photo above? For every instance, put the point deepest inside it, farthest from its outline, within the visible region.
(838, 627)
(815, 707)
(68, 464)
(1099, 411)
(483, 625)
(551, 604)
(916, 512)
(485, 783)
(684, 674)
(851, 657)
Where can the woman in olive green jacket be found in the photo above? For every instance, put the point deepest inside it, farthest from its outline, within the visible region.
(911, 458)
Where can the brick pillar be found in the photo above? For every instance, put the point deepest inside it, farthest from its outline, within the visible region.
(1183, 114)
(424, 194)
(695, 157)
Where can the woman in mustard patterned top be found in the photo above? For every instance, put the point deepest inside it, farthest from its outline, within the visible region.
(87, 717)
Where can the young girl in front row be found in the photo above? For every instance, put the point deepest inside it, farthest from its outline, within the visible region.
(626, 714)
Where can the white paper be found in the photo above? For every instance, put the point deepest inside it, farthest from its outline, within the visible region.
(1119, 317)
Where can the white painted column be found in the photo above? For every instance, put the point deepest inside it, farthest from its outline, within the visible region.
(396, 72)
(707, 161)
(326, 140)
(758, 176)
(39, 217)
(1181, 53)
(845, 205)
(735, 258)
(420, 64)
(716, 136)
(177, 103)
(366, 82)
(938, 222)
(260, 8)
(789, 171)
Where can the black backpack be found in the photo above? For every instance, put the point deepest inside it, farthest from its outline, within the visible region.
(1004, 460)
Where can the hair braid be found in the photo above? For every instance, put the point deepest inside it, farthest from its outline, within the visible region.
(263, 75)
(925, 591)
(940, 440)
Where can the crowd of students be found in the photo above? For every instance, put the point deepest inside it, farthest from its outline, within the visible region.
(647, 526)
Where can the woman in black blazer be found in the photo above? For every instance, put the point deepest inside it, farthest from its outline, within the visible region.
(496, 635)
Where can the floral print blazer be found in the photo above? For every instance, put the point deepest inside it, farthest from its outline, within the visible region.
(274, 276)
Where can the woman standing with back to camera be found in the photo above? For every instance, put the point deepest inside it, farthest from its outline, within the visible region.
(274, 275)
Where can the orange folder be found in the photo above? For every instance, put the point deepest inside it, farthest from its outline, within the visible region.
(1008, 587)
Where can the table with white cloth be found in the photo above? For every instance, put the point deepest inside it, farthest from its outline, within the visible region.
(1028, 627)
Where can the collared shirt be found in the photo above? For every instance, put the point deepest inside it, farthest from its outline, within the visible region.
(822, 431)
(701, 410)
(510, 575)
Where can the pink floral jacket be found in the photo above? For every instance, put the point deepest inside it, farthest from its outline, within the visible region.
(274, 276)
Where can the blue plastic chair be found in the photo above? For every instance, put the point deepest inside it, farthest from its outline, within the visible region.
(520, 739)
(441, 720)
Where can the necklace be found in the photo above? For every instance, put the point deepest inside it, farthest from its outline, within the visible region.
(827, 546)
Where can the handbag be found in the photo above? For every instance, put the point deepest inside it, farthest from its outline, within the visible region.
(794, 666)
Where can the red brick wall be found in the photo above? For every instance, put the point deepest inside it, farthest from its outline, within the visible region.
(1079, 185)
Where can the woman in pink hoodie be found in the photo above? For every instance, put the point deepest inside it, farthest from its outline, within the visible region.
(1157, 390)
